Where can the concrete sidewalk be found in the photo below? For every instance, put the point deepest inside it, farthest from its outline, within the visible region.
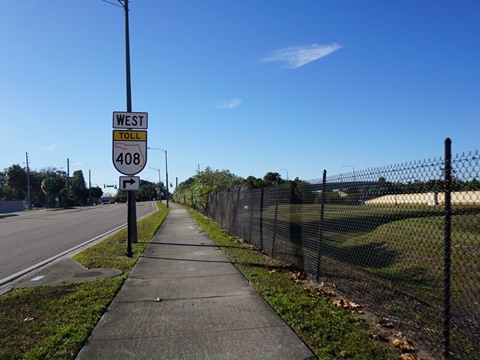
(185, 300)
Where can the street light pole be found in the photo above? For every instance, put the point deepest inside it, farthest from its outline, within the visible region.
(166, 177)
(132, 206)
(159, 182)
(127, 58)
(166, 171)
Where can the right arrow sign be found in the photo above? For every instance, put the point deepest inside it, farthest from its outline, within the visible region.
(129, 183)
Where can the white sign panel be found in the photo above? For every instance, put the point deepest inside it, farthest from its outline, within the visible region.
(129, 151)
(129, 182)
(130, 120)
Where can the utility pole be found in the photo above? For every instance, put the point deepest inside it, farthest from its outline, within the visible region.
(89, 187)
(166, 177)
(68, 178)
(29, 198)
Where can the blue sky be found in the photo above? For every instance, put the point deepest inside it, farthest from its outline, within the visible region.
(247, 86)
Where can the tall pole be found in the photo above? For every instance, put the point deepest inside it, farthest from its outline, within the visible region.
(127, 58)
(159, 182)
(68, 178)
(29, 198)
(132, 207)
(166, 176)
(447, 250)
(166, 170)
(89, 187)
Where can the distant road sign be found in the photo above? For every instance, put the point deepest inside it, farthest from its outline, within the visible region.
(129, 153)
(129, 183)
(130, 120)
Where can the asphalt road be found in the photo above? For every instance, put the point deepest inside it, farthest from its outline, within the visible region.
(33, 237)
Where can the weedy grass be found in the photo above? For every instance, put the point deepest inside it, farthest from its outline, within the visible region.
(331, 332)
(402, 245)
(110, 253)
(53, 322)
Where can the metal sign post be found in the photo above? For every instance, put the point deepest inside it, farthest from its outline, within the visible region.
(129, 156)
(129, 152)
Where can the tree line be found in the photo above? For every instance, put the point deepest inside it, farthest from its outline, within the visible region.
(51, 187)
(195, 191)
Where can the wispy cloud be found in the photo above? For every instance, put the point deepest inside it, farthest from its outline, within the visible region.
(296, 56)
(53, 147)
(229, 104)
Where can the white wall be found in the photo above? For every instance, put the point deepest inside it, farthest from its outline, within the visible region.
(431, 198)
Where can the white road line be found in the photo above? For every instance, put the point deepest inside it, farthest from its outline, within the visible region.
(55, 257)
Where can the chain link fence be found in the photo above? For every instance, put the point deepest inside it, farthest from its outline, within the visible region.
(402, 240)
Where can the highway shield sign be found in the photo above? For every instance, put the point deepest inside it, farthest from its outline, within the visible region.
(129, 153)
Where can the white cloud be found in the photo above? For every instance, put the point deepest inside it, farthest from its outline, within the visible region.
(229, 104)
(296, 56)
(53, 147)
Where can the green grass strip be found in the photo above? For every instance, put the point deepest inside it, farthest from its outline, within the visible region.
(331, 332)
(54, 322)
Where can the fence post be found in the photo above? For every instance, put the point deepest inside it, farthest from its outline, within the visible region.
(236, 209)
(320, 228)
(275, 222)
(296, 228)
(447, 249)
